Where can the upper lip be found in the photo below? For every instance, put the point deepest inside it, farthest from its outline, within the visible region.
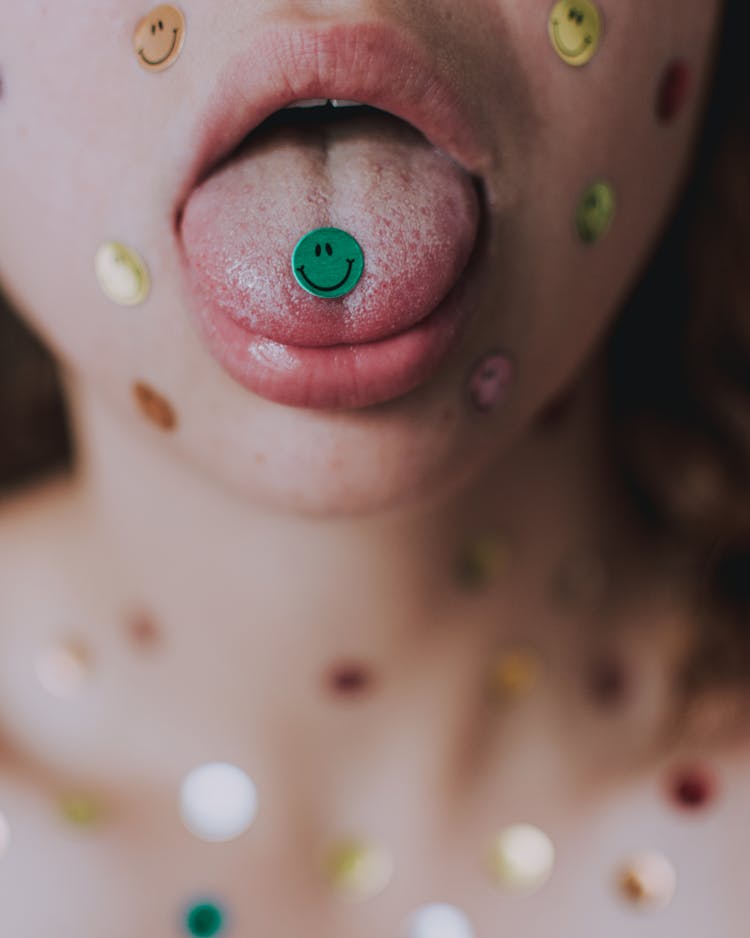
(371, 62)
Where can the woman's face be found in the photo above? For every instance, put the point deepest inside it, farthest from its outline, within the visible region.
(97, 148)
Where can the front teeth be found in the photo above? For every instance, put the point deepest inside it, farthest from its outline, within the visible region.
(321, 102)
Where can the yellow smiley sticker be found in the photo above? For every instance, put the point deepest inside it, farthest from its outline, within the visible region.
(596, 210)
(158, 38)
(575, 29)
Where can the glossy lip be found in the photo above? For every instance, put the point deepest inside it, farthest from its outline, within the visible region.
(371, 62)
(355, 375)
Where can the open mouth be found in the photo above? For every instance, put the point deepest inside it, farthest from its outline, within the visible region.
(397, 164)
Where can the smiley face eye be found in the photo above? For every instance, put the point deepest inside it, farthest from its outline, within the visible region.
(153, 29)
(161, 25)
(329, 250)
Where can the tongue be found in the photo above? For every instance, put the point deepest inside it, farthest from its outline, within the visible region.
(414, 212)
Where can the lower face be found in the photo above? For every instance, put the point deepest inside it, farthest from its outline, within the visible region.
(94, 149)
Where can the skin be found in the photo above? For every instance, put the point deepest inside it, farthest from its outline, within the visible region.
(308, 536)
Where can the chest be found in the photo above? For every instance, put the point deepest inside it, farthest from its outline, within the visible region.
(136, 870)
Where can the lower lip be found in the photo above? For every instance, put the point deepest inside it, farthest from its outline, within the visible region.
(341, 377)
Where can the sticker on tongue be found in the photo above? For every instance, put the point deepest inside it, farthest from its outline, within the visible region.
(328, 262)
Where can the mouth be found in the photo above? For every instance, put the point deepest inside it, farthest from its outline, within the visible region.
(401, 169)
(328, 289)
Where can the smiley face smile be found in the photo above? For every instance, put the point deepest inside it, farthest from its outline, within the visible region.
(164, 57)
(151, 38)
(317, 257)
(350, 262)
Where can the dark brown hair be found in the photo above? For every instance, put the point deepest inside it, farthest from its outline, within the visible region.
(679, 382)
(34, 437)
(680, 427)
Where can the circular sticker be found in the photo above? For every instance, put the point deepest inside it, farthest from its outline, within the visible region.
(159, 37)
(490, 381)
(328, 262)
(595, 212)
(122, 274)
(575, 28)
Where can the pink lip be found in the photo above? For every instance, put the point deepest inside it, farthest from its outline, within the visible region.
(351, 376)
(375, 64)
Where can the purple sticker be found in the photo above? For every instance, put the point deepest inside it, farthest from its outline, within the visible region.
(490, 381)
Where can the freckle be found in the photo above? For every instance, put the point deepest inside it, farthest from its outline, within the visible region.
(336, 463)
(154, 406)
(260, 458)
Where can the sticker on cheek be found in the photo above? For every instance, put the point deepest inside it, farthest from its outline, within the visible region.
(490, 381)
(154, 407)
(122, 274)
(575, 30)
(595, 212)
(673, 92)
(158, 38)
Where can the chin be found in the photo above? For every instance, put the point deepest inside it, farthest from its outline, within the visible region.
(345, 465)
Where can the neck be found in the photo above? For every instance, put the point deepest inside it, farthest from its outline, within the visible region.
(255, 607)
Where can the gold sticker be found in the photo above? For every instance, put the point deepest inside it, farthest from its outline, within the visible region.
(514, 672)
(575, 29)
(358, 870)
(159, 37)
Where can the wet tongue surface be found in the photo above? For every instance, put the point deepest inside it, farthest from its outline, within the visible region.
(414, 212)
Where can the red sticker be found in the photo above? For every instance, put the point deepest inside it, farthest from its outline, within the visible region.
(673, 91)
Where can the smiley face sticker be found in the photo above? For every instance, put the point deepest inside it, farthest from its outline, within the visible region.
(159, 37)
(596, 210)
(328, 262)
(575, 28)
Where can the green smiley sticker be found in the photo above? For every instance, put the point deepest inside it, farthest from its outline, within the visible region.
(328, 262)
(595, 212)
